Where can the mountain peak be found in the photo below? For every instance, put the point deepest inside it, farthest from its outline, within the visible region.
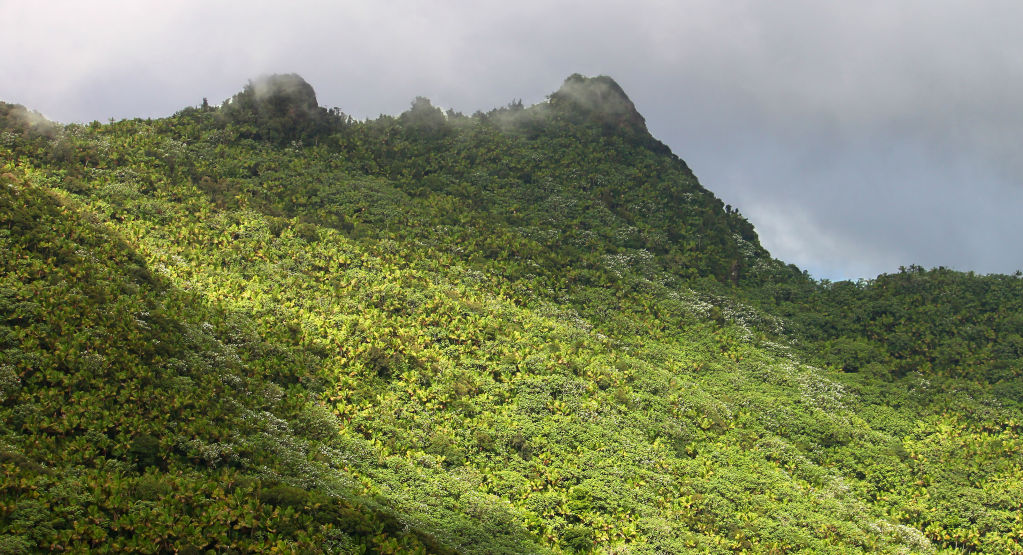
(288, 88)
(598, 98)
(279, 94)
(283, 107)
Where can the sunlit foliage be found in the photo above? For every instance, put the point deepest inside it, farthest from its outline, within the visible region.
(268, 325)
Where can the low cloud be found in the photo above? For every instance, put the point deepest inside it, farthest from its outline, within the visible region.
(893, 127)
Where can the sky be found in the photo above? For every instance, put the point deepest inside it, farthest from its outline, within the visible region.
(858, 137)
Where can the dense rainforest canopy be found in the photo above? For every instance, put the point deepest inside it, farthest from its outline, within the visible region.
(266, 325)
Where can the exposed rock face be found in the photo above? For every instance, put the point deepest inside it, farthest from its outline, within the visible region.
(600, 99)
(280, 107)
(288, 91)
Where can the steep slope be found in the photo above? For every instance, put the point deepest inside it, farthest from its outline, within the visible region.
(138, 415)
(528, 330)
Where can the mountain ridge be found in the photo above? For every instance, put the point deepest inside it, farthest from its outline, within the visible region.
(268, 326)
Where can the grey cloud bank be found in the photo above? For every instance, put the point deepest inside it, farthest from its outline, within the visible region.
(857, 137)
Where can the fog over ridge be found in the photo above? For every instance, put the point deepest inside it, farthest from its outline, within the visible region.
(857, 138)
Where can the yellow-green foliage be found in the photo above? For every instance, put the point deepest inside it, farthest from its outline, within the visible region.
(515, 332)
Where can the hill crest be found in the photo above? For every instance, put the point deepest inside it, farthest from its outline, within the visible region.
(600, 98)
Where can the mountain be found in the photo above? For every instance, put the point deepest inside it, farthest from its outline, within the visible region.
(267, 325)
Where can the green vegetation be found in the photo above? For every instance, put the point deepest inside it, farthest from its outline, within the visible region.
(269, 326)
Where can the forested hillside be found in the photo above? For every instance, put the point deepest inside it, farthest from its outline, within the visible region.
(266, 325)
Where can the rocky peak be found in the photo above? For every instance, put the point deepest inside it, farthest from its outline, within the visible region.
(280, 93)
(598, 98)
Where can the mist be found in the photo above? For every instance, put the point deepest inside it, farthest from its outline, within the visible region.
(857, 138)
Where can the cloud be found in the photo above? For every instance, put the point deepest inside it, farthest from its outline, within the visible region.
(894, 129)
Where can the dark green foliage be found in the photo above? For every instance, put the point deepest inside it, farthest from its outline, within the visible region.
(938, 322)
(280, 109)
(579, 539)
(146, 451)
(268, 327)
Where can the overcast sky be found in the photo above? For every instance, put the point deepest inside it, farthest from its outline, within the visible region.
(856, 136)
